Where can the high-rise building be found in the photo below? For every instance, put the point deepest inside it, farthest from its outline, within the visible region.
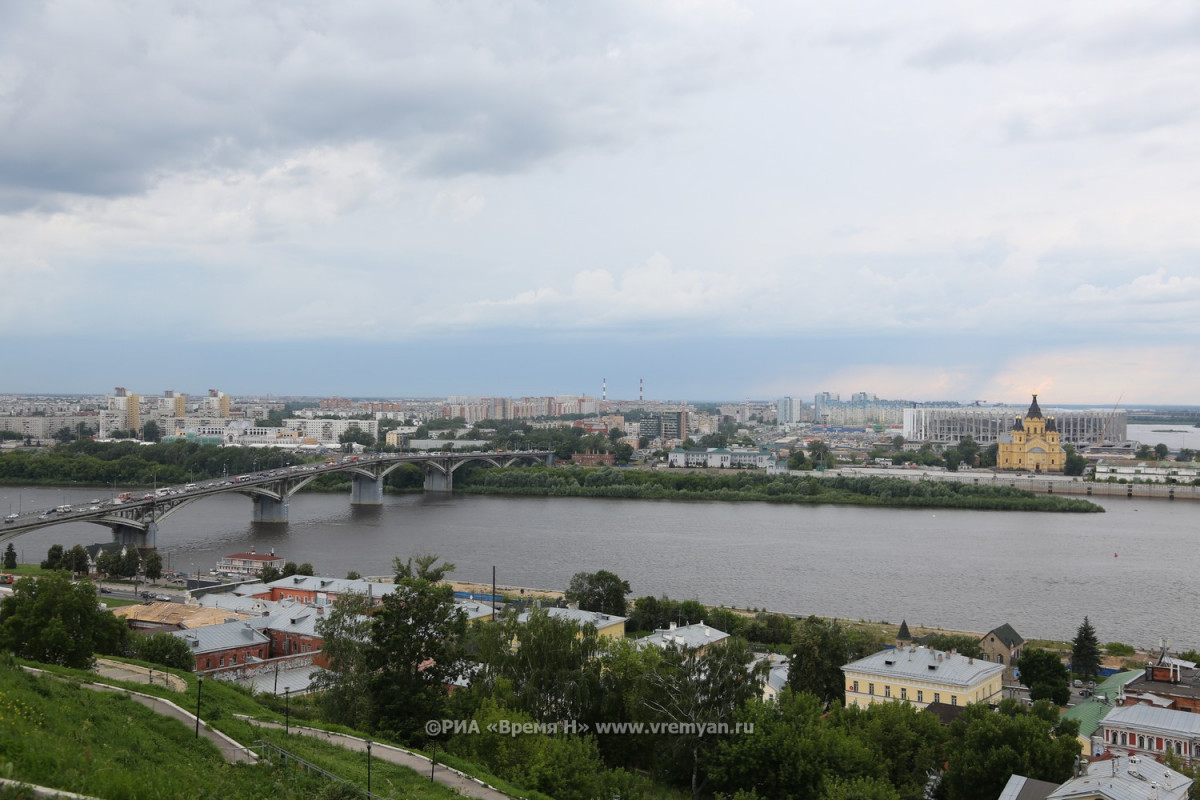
(785, 409)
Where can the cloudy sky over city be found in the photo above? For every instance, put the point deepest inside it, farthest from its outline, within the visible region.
(938, 200)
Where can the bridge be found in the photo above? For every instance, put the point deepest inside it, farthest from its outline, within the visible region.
(135, 521)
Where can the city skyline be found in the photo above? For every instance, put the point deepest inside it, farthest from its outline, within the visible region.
(726, 199)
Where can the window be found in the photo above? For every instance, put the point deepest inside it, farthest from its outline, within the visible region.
(871, 689)
(855, 688)
(233, 659)
(222, 661)
(920, 696)
(953, 699)
(903, 693)
(208, 663)
(887, 691)
(937, 697)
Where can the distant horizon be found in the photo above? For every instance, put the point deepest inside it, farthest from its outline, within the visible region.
(275, 396)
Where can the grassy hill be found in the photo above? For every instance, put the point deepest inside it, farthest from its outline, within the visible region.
(56, 733)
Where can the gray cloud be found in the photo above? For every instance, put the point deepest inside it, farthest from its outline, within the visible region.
(99, 101)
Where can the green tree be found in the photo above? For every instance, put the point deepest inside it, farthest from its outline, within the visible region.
(343, 689)
(54, 558)
(1186, 454)
(289, 569)
(552, 670)
(354, 436)
(305, 569)
(966, 645)
(599, 591)
(153, 566)
(797, 460)
(353, 575)
(897, 443)
(1045, 675)
(131, 562)
(64, 435)
(1073, 463)
(819, 649)
(108, 562)
(820, 454)
(1161, 451)
(985, 748)
(1085, 652)
(54, 621)
(164, 649)
(425, 568)
(76, 560)
(10, 557)
(623, 451)
(1144, 452)
(698, 689)
(151, 432)
(271, 573)
(906, 741)
(415, 656)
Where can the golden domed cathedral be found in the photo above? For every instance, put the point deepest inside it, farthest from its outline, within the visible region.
(1032, 444)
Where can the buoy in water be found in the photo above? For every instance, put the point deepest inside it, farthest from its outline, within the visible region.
(1114, 555)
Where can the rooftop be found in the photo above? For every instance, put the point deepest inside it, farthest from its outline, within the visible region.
(923, 663)
(687, 636)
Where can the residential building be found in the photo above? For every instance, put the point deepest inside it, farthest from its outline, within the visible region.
(246, 564)
(1169, 683)
(217, 646)
(697, 636)
(607, 625)
(1033, 444)
(1142, 729)
(920, 676)
(1003, 645)
(1122, 779)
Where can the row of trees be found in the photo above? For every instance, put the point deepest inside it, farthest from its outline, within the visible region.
(742, 485)
(110, 561)
(390, 669)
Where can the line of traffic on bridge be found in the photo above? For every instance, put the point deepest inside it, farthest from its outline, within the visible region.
(134, 518)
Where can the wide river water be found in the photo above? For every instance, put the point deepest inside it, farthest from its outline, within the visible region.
(1132, 570)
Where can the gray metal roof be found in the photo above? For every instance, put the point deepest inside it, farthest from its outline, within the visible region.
(687, 636)
(924, 664)
(213, 638)
(1161, 721)
(1125, 779)
(580, 618)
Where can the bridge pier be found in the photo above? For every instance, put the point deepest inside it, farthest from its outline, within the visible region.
(438, 481)
(130, 535)
(268, 509)
(366, 491)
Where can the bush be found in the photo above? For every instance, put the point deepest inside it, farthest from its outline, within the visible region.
(1118, 649)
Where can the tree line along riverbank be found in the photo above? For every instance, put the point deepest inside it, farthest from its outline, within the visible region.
(124, 464)
(756, 486)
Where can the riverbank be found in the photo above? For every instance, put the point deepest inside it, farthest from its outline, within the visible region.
(743, 485)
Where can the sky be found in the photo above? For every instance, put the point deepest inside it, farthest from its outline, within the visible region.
(927, 201)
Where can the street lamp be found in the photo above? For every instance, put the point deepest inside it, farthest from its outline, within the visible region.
(368, 767)
(287, 710)
(199, 687)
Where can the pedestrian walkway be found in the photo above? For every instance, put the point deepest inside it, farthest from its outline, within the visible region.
(231, 751)
(120, 671)
(447, 776)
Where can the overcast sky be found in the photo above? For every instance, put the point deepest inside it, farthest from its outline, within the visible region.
(934, 200)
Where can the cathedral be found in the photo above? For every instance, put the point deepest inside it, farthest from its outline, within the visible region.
(1032, 444)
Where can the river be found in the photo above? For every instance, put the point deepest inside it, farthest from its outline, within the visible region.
(1132, 569)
